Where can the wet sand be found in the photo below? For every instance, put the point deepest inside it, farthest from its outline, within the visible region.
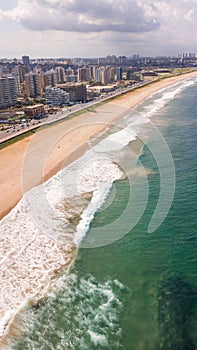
(59, 144)
(28, 260)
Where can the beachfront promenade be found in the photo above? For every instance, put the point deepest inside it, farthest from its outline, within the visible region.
(34, 159)
(66, 112)
(87, 122)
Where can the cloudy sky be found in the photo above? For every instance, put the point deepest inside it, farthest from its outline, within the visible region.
(90, 28)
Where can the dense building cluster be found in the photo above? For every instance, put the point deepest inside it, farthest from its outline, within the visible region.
(64, 81)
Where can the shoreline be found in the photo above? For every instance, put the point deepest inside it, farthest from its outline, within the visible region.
(94, 122)
(50, 150)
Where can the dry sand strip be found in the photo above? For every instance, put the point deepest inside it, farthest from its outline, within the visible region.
(59, 144)
(29, 258)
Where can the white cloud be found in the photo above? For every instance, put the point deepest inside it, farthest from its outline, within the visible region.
(96, 28)
(7, 5)
(84, 16)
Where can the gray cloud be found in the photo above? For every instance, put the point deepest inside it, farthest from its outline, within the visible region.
(85, 16)
(93, 28)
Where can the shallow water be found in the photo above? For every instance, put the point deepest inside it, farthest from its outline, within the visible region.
(132, 287)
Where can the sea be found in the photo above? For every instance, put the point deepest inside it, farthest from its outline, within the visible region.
(132, 284)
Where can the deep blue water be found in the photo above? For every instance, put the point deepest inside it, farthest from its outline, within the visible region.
(138, 293)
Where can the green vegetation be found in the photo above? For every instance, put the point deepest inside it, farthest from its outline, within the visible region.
(16, 139)
(17, 117)
(95, 83)
(174, 73)
(18, 105)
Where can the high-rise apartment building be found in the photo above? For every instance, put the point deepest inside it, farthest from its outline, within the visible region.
(54, 76)
(98, 74)
(34, 85)
(39, 84)
(55, 96)
(83, 74)
(112, 74)
(29, 85)
(48, 79)
(26, 62)
(60, 74)
(119, 73)
(22, 70)
(110, 59)
(105, 75)
(77, 92)
(92, 72)
(71, 78)
(8, 91)
(69, 71)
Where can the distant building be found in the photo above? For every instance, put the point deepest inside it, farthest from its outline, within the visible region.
(119, 73)
(111, 59)
(69, 71)
(102, 88)
(105, 76)
(56, 97)
(77, 92)
(122, 60)
(112, 74)
(35, 111)
(136, 77)
(72, 78)
(83, 74)
(189, 55)
(22, 70)
(8, 91)
(98, 75)
(54, 76)
(26, 62)
(136, 57)
(149, 73)
(34, 85)
(48, 79)
(92, 72)
(39, 85)
(5, 118)
(29, 85)
(60, 74)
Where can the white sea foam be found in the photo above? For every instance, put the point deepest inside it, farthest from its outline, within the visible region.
(30, 259)
(97, 177)
(98, 339)
(154, 103)
(35, 240)
(98, 199)
(163, 96)
(116, 141)
(98, 171)
(31, 248)
(91, 307)
(180, 84)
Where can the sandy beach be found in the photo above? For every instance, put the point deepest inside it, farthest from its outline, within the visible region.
(59, 144)
(29, 257)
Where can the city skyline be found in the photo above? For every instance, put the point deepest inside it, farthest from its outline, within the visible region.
(73, 28)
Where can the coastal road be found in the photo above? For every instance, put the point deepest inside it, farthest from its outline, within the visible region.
(20, 129)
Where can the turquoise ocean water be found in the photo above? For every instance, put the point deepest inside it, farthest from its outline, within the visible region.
(137, 290)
